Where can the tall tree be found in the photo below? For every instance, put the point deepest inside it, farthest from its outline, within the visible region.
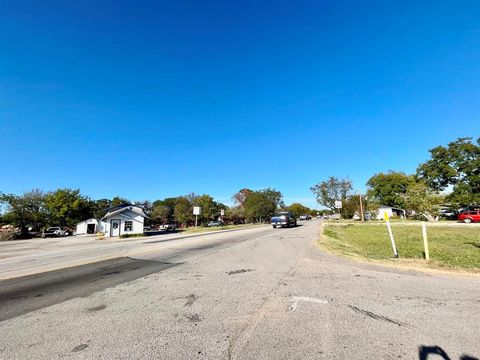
(261, 205)
(327, 192)
(389, 188)
(163, 211)
(423, 200)
(183, 210)
(298, 209)
(457, 165)
(25, 210)
(210, 209)
(117, 200)
(67, 207)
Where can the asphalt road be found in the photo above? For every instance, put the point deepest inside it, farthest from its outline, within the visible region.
(251, 294)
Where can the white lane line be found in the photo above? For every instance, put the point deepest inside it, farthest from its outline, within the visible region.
(296, 299)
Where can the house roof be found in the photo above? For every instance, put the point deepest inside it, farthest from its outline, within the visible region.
(135, 209)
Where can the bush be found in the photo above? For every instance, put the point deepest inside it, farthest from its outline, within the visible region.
(8, 234)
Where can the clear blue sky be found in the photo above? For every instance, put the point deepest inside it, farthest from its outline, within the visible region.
(156, 99)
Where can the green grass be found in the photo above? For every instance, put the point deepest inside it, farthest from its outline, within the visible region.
(215, 228)
(454, 247)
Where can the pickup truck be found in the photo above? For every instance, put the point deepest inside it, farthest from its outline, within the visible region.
(168, 227)
(284, 219)
(54, 231)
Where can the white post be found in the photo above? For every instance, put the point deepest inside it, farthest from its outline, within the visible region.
(425, 240)
(394, 247)
(196, 217)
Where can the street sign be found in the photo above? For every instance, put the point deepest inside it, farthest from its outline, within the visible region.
(222, 212)
(197, 210)
(338, 204)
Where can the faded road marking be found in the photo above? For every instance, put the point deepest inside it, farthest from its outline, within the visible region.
(296, 299)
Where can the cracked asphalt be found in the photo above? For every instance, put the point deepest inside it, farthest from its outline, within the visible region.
(251, 294)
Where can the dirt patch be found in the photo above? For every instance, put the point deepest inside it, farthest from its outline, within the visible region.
(195, 318)
(190, 299)
(97, 308)
(80, 347)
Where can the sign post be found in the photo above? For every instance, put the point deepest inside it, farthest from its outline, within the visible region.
(197, 210)
(222, 213)
(425, 240)
(394, 247)
(338, 205)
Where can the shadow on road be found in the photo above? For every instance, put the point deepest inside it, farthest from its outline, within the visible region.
(436, 352)
(23, 295)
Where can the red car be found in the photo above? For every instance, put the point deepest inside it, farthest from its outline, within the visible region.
(469, 216)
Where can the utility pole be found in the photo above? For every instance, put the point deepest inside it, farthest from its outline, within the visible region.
(361, 207)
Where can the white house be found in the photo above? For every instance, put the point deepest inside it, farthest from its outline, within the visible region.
(390, 211)
(123, 219)
(90, 226)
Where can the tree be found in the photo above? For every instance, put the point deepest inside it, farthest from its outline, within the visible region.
(298, 209)
(100, 208)
(239, 197)
(117, 200)
(67, 207)
(327, 192)
(423, 200)
(183, 210)
(25, 210)
(163, 211)
(261, 205)
(457, 165)
(210, 209)
(389, 188)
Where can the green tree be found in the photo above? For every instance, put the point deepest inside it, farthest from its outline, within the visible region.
(25, 210)
(389, 188)
(327, 192)
(183, 210)
(261, 205)
(457, 165)
(67, 207)
(423, 200)
(163, 211)
(298, 209)
(100, 208)
(117, 200)
(210, 209)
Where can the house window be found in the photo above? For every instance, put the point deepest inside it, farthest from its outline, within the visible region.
(128, 225)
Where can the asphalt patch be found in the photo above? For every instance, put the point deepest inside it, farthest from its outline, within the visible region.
(195, 318)
(79, 347)
(97, 308)
(29, 293)
(375, 316)
(234, 272)
(190, 299)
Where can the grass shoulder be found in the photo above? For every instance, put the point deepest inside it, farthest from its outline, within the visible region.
(451, 247)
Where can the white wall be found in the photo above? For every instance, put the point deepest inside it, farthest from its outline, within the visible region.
(138, 222)
(382, 210)
(82, 227)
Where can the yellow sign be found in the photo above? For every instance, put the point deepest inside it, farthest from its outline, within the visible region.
(385, 216)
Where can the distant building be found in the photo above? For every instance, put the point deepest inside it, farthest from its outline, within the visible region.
(123, 219)
(391, 212)
(119, 220)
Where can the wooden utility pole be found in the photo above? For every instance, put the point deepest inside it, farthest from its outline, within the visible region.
(361, 207)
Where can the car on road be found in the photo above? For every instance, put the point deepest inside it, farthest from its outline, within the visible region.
(283, 219)
(54, 231)
(469, 216)
(215, 223)
(171, 226)
(304, 217)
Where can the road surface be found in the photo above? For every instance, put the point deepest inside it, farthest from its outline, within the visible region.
(251, 294)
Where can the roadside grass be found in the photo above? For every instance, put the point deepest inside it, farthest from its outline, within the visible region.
(200, 229)
(450, 247)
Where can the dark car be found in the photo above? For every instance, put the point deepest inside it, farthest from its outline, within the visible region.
(284, 219)
(469, 216)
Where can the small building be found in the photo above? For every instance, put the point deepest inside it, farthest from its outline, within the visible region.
(123, 219)
(391, 212)
(90, 226)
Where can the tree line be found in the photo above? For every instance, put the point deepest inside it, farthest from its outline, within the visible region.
(66, 207)
(451, 177)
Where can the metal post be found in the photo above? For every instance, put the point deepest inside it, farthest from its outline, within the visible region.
(425, 240)
(394, 247)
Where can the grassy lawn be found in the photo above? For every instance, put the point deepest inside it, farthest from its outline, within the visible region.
(453, 247)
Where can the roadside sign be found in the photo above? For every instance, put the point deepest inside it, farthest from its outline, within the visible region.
(222, 212)
(197, 210)
(338, 204)
(385, 216)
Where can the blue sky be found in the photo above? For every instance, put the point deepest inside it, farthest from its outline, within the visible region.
(156, 99)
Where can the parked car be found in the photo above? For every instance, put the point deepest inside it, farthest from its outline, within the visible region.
(171, 226)
(304, 217)
(469, 216)
(54, 231)
(284, 219)
(215, 223)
